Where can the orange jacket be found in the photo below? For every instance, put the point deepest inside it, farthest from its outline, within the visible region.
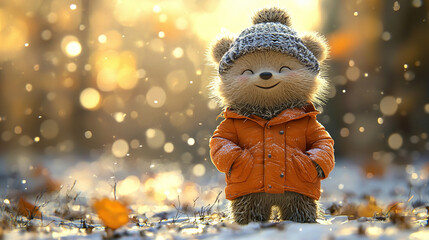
(272, 156)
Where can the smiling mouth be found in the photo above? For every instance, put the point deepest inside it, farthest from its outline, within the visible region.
(268, 87)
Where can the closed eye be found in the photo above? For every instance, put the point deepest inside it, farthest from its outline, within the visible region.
(284, 68)
(247, 71)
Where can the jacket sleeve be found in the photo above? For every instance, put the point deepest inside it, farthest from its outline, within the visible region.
(320, 146)
(224, 148)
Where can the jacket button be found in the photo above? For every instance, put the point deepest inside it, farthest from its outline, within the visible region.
(269, 155)
(282, 174)
(281, 132)
(269, 186)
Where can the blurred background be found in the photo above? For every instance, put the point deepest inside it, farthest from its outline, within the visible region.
(119, 88)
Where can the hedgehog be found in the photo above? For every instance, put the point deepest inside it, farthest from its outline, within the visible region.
(270, 146)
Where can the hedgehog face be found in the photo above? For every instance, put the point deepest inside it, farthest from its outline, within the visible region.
(256, 71)
(267, 79)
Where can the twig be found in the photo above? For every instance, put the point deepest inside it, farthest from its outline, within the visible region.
(392, 208)
(193, 207)
(216, 200)
(114, 189)
(177, 210)
(71, 188)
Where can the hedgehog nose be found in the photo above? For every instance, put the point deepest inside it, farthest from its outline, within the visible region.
(265, 75)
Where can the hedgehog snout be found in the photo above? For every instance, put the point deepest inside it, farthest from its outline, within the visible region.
(265, 75)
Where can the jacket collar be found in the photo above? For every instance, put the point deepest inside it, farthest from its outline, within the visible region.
(283, 117)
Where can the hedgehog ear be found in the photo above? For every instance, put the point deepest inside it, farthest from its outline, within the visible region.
(220, 46)
(317, 44)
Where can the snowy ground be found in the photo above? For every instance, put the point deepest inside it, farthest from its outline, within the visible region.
(392, 206)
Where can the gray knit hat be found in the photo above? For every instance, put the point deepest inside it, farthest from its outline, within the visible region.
(271, 31)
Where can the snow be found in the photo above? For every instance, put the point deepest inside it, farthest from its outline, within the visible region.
(159, 220)
(332, 228)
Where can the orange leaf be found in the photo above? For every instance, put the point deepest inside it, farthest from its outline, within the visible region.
(368, 210)
(27, 209)
(113, 213)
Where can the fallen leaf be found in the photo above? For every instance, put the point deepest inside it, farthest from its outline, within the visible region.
(27, 209)
(368, 210)
(113, 213)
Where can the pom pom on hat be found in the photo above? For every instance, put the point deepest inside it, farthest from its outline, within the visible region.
(271, 32)
(272, 15)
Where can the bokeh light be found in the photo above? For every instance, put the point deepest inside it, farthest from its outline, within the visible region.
(353, 73)
(177, 119)
(120, 148)
(116, 69)
(90, 98)
(163, 186)
(102, 39)
(106, 80)
(135, 143)
(119, 116)
(395, 141)
(156, 97)
(88, 134)
(168, 147)
(199, 170)
(426, 107)
(212, 104)
(129, 13)
(191, 141)
(349, 118)
(49, 129)
(177, 81)
(388, 105)
(13, 34)
(71, 46)
(177, 52)
(46, 34)
(130, 185)
(127, 77)
(155, 138)
(344, 132)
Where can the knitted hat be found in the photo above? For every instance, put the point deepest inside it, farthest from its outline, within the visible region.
(271, 32)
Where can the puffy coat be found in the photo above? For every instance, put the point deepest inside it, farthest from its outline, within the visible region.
(272, 156)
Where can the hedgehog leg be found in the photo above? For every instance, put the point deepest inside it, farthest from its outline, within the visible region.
(253, 207)
(298, 208)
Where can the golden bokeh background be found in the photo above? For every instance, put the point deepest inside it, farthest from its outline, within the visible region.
(128, 80)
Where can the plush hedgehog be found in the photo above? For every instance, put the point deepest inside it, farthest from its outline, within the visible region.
(270, 146)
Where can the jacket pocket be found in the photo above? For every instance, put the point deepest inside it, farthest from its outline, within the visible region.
(241, 168)
(304, 166)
